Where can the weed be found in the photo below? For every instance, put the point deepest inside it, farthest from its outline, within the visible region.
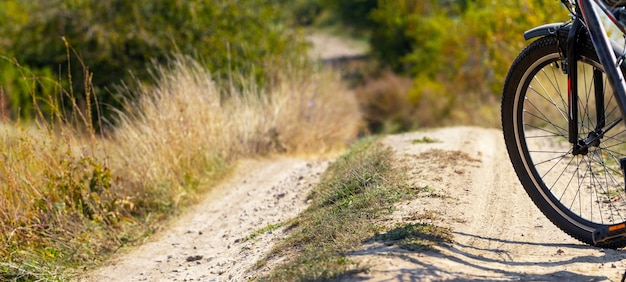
(431, 192)
(425, 140)
(358, 188)
(269, 228)
(426, 215)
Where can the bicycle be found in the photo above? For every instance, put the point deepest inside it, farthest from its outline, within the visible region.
(564, 122)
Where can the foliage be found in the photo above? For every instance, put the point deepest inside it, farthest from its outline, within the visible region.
(58, 205)
(385, 103)
(119, 39)
(456, 52)
(304, 12)
(14, 79)
(353, 13)
(471, 43)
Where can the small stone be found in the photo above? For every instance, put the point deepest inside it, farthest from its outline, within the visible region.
(194, 258)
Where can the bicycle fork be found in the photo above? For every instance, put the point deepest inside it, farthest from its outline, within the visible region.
(581, 146)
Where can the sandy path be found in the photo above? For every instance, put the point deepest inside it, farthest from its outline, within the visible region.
(206, 243)
(498, 232)
(326, 46)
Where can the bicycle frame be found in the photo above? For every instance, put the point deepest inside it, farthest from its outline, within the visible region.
(607, 58)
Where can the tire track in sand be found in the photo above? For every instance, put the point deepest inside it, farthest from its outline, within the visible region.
(499, 234)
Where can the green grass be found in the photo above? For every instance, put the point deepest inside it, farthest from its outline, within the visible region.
(356, 192)
(425, 140)
(268, 228)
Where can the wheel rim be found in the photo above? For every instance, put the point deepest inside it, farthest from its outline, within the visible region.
(586, 189)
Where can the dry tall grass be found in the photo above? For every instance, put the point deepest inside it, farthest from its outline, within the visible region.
(186, 126)
(66, 198)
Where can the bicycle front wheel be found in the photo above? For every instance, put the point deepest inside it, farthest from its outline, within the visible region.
(579, 191)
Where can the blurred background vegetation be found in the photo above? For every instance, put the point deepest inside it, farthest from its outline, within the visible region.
(185, 88)
(119, 40)
(437, 62)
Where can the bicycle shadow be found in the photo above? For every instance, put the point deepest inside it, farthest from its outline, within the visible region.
(492, 263)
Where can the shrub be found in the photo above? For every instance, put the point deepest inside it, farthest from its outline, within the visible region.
(384, 102)
(458, 52)
(119, 39)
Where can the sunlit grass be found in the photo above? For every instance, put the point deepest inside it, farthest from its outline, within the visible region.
(357, 190)
(69, 196)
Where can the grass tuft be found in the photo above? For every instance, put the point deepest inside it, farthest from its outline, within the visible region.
(425, 140)
(269, 228)
(357, 193)
(358, 188)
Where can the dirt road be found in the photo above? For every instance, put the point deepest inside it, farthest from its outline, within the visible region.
(207, 243)
(498, 232)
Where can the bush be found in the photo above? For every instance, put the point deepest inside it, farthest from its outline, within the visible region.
(458, 52)
(354, 13)
(118, 39)
(384, 103)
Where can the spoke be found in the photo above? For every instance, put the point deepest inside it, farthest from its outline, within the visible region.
(604, 190)
(558, 88)
(550, 100)
(616, 139)
(569, 182)
(590, 184)
(561, 134)
(549, 152)
(549, 160)
(549, 97)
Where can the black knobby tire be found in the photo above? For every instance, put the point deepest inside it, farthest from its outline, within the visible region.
(578, 193)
